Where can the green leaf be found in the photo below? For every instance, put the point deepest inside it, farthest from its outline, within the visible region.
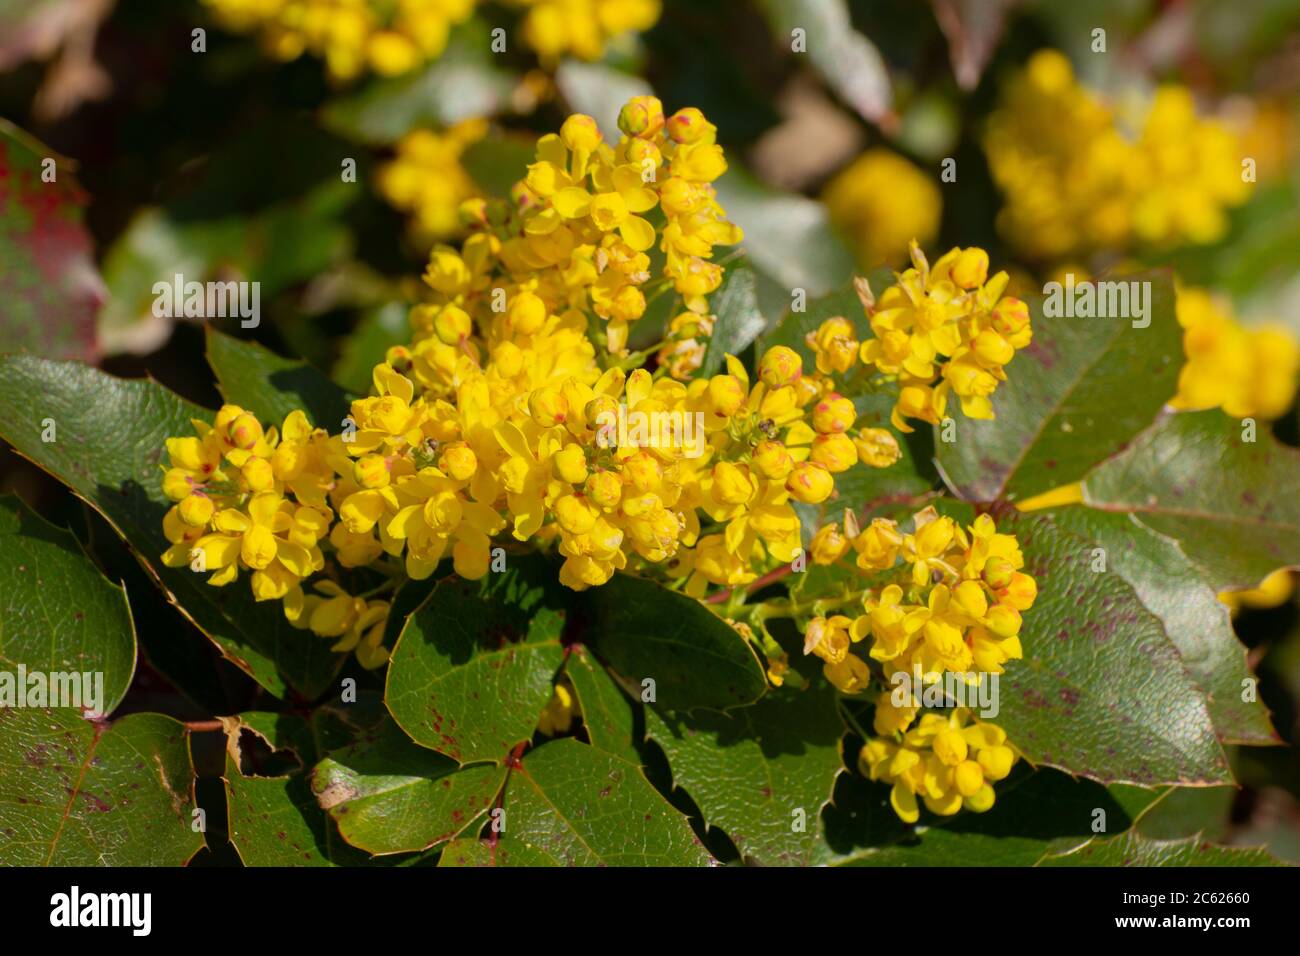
(571, 804)
(256, 379)
(1035, 813)
(59, 613)
(1232, 505)
(76, 793)
(1102, 691)
(109, 452)
(50, 290)
(1077, 394)
(738, 318)
(645, 631)
(274, 817)
(277, 246)
(758, 772)
(788, 237)
(389, 796)
(1196, 621)
(1132, 849)
(848, 62)
(464, 83)
(607, 711)
(475, 665)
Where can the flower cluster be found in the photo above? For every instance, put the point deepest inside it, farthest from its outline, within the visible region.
(951, 761)
(508, 414)
(939, 329)
(882, 201)
(582, 28)
(582, 236)
(426, 179)
(352, 36)
(1246, 372)
(955, 604)
(262, 501)
(391, 37)
(946, 599)
(1080, 173)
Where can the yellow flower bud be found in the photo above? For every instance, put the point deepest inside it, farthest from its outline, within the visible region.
(575, 515)
(971, 268)
(245, 431)
(526, 313)
(687, 125)
(726, 394)
(258, 474)
(604, 488)
(780, 366)
(836, 452)
(641, 116)
(176, 482)
(642, 471)
(371, 471)
(968, 777)
(993, 349)
(834, 414)
(950, 747)
(548, 406)
(580, 133)
(452, 324)
(996, 761)
(1020, 592)
(1003, 620)
(810, 483)
(731, 483)
(997, 573)
(772, 459)
(458, 460)
(196, 510)
(570, 464)
(970, 597)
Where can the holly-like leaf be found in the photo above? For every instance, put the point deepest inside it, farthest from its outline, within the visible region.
(77, 793)
(255, 378)
(1196, 621)
(1233, 505)
(50, 290)
(1133, 849)
(274, 817)
(695, 659)
(389, 796)
(1077, 394)
(759, 772)
(1102, 691)
(607, 712)
(571, 804)
(109, 449)
(738, 318)
(1035, 813)
(848, 62)
(60, 615)
(475, 665)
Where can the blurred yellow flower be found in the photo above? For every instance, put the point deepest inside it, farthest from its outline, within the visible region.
(1246, 372)
(882, 201)
(427, 180)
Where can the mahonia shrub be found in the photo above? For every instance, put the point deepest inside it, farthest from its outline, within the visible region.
(912, 552)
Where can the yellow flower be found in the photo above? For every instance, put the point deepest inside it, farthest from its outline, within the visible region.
(882, 201)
